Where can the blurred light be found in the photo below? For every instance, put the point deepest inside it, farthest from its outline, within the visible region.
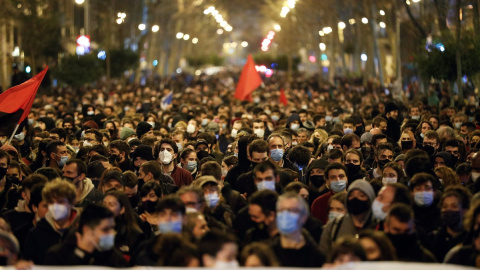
(382, 24)
(28, 69)
(262, 68)
(271, 35)
(194, 40)
(321, 33)
(223, 24)
(206, 11)
(142, 27)
(215, 12)
(291, 3)
(102, 55)
(234, 44)
(198, 72)
(324, 57)
(408, 2)
(122, 15)
(119, 21)
(327, 30)
(382, 12)
(268, 73)
(415, 1)
(364, 57)
(79, 1)
(342, 25)
(244, 44)
(179, 70)
(465, 79)
(440, 47)
(351, 21)
(220, 31)
(155, 28)
(322, 46)
(364, 20)
(266, 42)
(16, 51)
(277, 27)
(155, 63)
(179, 35)
(186, 37)
(264, 48)
(228, 28)
(312, 59)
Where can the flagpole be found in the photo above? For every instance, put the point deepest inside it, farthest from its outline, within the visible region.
(13, 134)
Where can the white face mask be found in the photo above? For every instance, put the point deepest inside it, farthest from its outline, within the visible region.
(389, 180)
(166, 157)
(475, 176)
(234, 133)
(190, 128)
(151, 124)
(87, 144)
(58, 211)
(294, 127)
(224, 172)
(259, 132)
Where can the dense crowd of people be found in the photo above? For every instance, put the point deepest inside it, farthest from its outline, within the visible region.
(120, 175)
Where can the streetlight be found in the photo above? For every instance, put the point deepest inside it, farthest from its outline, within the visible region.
(342, 25)
(179, 35)
(382, 25)
(382, 12)
(142, 27)
(194, 40)
(277, 27)
(364, 57)
(364, 20)
(155, 28)
(244, 44)
(228, 28)
(351, 21)
(186, 37)
(322, 46)
(220, 31)
(327, 30)
(79, 2)
(321, 33)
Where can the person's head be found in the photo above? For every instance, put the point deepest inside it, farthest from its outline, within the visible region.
(377, 246)
(454, 204)
(211, 190)
(150, 171)
(345, 250)
(193, 197)
(378, 139)
(292, 213)
(298, 188)
(276, 145)
(211, 168)
(259, 128)
(36, 202)
(315, 172)
(391, 110)
(258, 151)
(195, 225)
(423, 187)
(383, 155)
(258, 254)
(360, 195)
(379, 122)
(10, 248)
(392, 172)
(60, 196)
(117, 202)
(112, 179)
(387, 196)
(171, 213)
(165, 151)
(150, 193)
(96, 227)
(265, 176)
(119, 150)
(407, 140)
(336, 177)
(188, 159)
(57, 153)
(228, 163)
(336, 205)
(92, 137)
(447, 176)
(262, 208)
(399, 221)
(300, 156)
(75, 171)
(218, 249)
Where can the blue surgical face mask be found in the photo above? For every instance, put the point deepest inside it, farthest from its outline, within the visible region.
(106, 242)
(328, 118)
(212, 199)
(170, 226)
(191, 165)
(338, 186)
(423, 198)
(270, 185)
(275, 118)
(377, 210)
(276, 154)
(287, 222)
(347, 131)
(63, 160)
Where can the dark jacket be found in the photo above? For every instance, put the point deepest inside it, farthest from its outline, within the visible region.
(440, 242)
(69, 254)
(466, 255)
(243, 162)
(307, 256)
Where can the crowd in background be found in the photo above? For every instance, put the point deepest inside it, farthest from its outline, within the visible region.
(120, 175)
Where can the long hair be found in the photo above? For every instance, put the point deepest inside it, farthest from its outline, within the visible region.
(128, 215)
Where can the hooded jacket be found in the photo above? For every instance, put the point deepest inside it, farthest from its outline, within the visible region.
(344, 226)
(243, 162)
(90, 195)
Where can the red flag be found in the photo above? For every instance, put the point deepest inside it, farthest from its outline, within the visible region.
(249, 81)
(283, 98)
(15, 103)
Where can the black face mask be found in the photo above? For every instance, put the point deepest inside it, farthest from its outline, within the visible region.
(3, 261)
(407, 145)
(69, 130)
(317, 180)
(402, 242)
(114, 158)
(149, 206)
(13, 180)
(381, 163)
(429, 149)
(454, 159)
(360, 130)
(451, 218)
(356, 206)
(352, 170)
(3, 172)
(366, 150)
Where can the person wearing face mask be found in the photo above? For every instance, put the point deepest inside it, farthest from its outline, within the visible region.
(388, 195)
(92, 244)
(259, 129)
(218, 249)
(473, 184)
(315, 179)
(216, 206)
(262, 210)
(227, 164)
(294, 247)
(276, 145)
(336, 181)
(75, 172)
(399, 227)
(454, 204)
(57, 154)
(414, 112)
(119, 152)
(293, 122)
(383, 155)
(188, 161)
(353, 160)
(180, 138)
(60, 196)
(393, 126)
(360, 196)
(407, 141)
(192, 129)
(165, 152)
(427, 214)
